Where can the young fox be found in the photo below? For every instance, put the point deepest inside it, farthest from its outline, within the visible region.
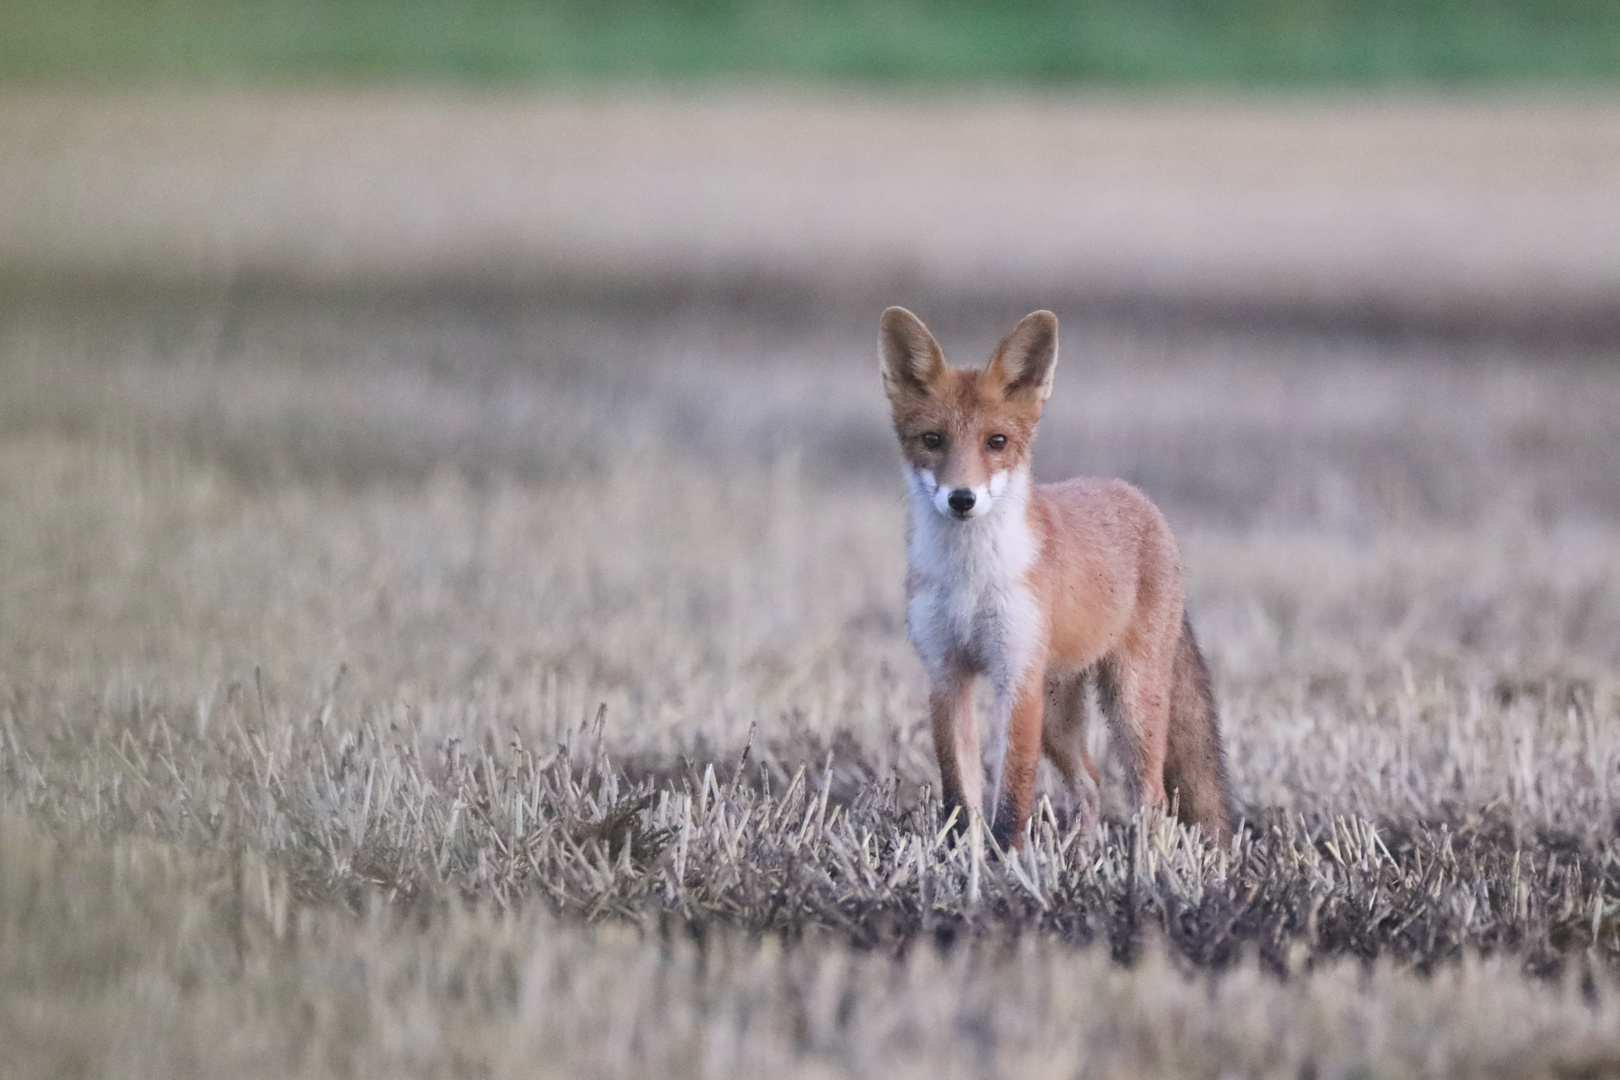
(1037, 587)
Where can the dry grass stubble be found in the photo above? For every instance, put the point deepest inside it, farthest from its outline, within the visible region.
(311, 614)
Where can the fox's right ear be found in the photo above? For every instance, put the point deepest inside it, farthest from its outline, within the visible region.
(912, 359)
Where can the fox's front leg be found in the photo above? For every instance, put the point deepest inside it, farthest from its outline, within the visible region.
(956, 744)
(1016, 773)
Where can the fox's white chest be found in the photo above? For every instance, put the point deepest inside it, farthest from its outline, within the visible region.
(970, 602)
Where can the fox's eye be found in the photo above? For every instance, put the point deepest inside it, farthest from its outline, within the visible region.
(996, 442)
(933, 440)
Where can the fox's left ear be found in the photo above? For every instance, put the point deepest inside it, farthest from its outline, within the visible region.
(1026, 359)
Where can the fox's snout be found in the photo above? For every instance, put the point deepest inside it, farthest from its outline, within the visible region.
(959, 503)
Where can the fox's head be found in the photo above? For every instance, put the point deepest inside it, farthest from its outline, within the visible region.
(966, 434)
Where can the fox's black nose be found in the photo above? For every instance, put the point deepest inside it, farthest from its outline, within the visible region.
(961, 500)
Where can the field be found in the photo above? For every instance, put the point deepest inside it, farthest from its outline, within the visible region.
(450, 587)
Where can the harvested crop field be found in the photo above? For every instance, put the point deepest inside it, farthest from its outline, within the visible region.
(420, 664)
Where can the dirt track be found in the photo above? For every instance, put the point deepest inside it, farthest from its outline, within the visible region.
(1486, 214)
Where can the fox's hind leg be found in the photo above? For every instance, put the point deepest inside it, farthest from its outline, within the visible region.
(1136, 697)
(1063, 737)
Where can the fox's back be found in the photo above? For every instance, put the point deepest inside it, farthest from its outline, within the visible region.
(1107, 560)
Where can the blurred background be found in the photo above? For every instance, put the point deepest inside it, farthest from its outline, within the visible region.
(926, 42)
(314, 313)
(395, 393)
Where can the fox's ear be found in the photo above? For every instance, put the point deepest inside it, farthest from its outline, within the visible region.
(912, 359)
(1026, 359)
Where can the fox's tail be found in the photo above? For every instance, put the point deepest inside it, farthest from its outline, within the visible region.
(1195, 764)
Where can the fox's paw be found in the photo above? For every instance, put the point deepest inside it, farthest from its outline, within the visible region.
(956, 816)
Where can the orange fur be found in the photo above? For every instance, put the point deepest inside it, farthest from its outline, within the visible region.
(1038, 588)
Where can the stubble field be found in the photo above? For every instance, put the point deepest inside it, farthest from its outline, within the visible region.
(509, 680)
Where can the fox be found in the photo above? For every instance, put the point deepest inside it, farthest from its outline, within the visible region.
(1040, 589)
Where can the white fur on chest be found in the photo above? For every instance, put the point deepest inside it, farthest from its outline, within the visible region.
(970, 601)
